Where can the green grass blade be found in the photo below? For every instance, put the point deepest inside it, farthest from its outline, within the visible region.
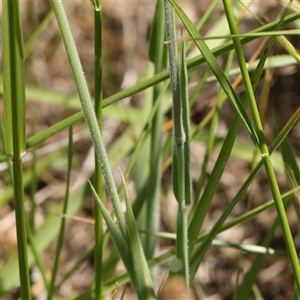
(36, 255)
(151, 81)
(216, 69)
(262, 144)
(13, 80)
(288, 154)
(14, 110)
(63, 220)
(186, 126)
(239, 35)
(202, 208)
(143, 281)
(117, 236)
(211, 138)
(88, 110)
(30, 43)
(98, 255)
(244, 289)
(200, 252)
(179, 83)
(157, 54)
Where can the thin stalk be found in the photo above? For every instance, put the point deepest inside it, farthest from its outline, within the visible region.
(179, 139)
(88, 110)
(33, 185)
(157, 54)
(75, 268)
(63, 220)
(21, 230)
(263, 146)
(98, 254)
(243, 291)
(14, 99)
(212, 131)
(36, 254)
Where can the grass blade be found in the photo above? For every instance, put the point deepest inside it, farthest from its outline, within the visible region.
(88, 110)
(143, 282)
(63, 220)
(216, 69)
(98, 255)
(263, 146)
(14, 99)
(179, 83)
(157, 54)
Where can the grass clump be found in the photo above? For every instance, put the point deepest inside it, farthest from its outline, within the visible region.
(171, 229)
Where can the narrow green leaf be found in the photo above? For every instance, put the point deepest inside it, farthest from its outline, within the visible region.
(244, 289)
(143, 281)
(203, 205)
(88, 110)
(158, 55)
(117, 236)
(186, 126)
(238, 35)
(178, 76)
(157, 36)
(13, 80)
(216, 69)
(63, 220)
(15, 125)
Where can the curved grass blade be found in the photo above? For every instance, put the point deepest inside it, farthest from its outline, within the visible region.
(119, 240)
(143, 281)
(88, 110)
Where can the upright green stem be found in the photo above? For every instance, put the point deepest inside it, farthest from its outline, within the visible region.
(179, 139)
(14, 99)
(98, 254)
(88, 110)
(152, 220)
(63, 220)
(263, 146)
(21, 230)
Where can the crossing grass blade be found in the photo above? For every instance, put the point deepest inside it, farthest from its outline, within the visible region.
(216, 69)
(143, 281)
(199, 254)
(262, 144)
(88, 110)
